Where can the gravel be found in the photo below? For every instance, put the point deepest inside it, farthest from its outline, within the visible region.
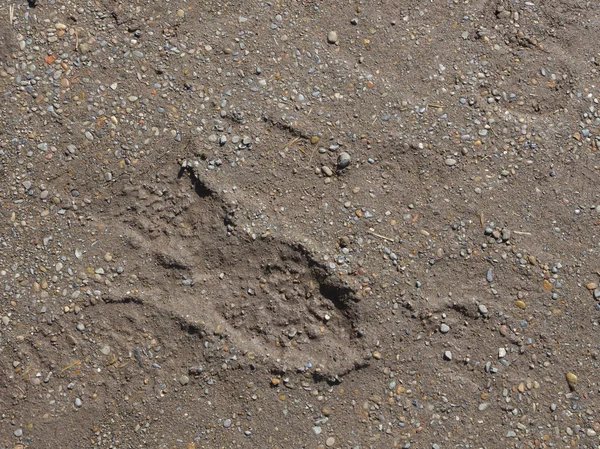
(287, 203)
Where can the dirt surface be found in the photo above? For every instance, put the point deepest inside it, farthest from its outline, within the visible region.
(299, 224)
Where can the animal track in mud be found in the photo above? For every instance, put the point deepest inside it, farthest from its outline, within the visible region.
(267, 298)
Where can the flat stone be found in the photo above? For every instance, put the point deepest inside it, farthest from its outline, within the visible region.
(444, 328)
(450, 162)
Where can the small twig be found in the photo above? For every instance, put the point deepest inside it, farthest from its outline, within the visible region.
(76, 40)
(521, 233)
(11, 14)
(312, 154)
(381, 236)
(75, 363)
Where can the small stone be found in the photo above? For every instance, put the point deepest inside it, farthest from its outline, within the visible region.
(330, 441)
(316, 430)
(571, 380)
(227, 423)
(377, 355)
(18, 433)
(483, 406)
(332, 37)
(482, 309)
(78, 402)
(450, 162)
(501, 353)
(80, 327)
(520, 304)
(448, 355)
(222, 140)
(184, 380)
(444, 328)
(105, 349)
(490, 275)
(343, 160)
(327, 171)
(314, 140)
(589, 286)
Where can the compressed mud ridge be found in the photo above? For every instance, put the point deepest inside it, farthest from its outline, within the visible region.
(299, 224)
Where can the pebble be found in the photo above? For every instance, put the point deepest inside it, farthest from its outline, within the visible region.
(332, 37)
(343, 160)
(80, 327)
(448, 355)
(490, 275)
(184, 380)
(227, 423)
(450, 162)
(18, 433)
(501, 353)
(571, 380)
(444, 328)
(330, 441)
(327, 171)
(482, 309)
(78, 402)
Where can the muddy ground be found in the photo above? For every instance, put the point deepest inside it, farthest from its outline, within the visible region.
(348, 224)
